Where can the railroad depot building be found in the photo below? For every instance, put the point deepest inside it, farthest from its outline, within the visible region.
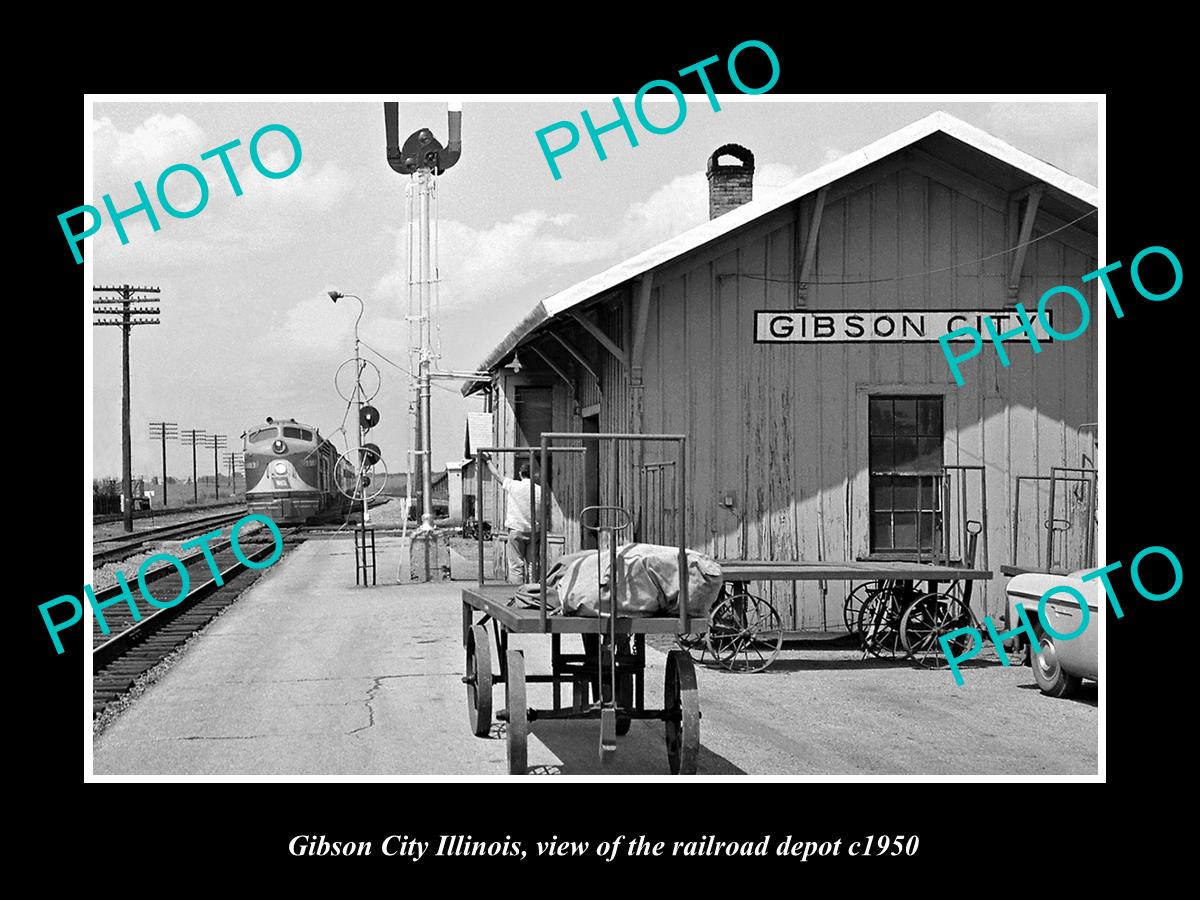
(793, 339)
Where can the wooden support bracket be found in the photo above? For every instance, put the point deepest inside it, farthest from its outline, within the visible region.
(1031, 207)
(601, 338)
(645, 283)
(810, 250)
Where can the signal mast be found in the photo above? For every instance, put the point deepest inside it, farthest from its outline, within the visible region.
(423, 158)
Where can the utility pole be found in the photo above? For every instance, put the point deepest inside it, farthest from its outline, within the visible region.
(232, 460)
(191, 436)
(126, 307)
(217, 442)
(160, 431)
(423, 157)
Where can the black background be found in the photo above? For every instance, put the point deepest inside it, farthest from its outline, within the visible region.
(967, 830)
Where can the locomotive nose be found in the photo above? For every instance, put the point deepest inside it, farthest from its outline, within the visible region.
(279, 446)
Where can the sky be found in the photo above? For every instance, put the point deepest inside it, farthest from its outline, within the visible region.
(247, 330)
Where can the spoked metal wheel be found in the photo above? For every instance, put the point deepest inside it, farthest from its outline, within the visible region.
(681, 703)
(692, 644)
(478, 680)
(518, 714)
(879, 623)
(745, 633)
(854, 603)
(927, 620)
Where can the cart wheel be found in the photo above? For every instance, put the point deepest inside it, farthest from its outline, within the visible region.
(479, 680)
(927, 619)
(745, 633)
(682, 705)
(879, 623)
(518, 714)
(854, 603)
(691, 644)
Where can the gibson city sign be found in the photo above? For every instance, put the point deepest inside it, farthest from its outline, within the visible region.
(873, 326)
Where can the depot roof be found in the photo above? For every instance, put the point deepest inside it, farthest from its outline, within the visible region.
(980, 156)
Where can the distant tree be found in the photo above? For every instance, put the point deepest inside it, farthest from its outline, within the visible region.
(106, 486)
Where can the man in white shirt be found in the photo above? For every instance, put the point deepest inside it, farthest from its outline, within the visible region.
(521, 532)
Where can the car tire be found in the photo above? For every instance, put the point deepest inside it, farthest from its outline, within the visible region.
(1047, 671)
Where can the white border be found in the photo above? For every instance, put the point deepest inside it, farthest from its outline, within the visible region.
(87, 269)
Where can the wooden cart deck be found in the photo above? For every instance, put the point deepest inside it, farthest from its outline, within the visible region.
(743, 570)
(494, 599)
(1026, 570)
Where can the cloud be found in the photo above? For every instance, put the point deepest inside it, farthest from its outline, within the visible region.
(1063, 134)
(317, 328)
(305, 190)
(270, 213)
(481, 263)
(535, 253)
(682, 204)
(149, 148)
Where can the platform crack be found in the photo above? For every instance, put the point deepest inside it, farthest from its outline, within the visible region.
(376, 684)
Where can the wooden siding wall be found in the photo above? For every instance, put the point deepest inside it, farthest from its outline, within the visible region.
(782, 428)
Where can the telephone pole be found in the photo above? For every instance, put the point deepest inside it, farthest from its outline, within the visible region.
(127, 308)
(192, 435)
(160, 431)
(233, 460)
(217, 442)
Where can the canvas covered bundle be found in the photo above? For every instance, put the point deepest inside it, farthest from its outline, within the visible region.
(648, 576)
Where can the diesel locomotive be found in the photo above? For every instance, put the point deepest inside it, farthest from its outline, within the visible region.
(293, 474)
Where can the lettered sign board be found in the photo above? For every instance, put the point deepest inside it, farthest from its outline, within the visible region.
(865, 326)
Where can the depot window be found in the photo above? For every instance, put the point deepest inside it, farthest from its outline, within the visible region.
(906, 434)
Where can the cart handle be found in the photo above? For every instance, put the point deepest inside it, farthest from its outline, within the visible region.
(628, 518)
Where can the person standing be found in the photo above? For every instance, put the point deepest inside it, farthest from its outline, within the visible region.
(521, 531)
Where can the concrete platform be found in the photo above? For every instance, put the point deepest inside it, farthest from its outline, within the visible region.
(308, 674)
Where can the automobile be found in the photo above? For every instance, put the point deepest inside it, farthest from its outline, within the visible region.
(1059, 664)
(441, 509)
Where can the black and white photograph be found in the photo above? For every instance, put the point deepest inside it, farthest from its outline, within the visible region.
(692, 432)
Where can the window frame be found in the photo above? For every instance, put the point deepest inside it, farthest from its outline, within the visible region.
(860, 478)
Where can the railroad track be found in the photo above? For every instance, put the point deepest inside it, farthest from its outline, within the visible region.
(133, 647)
(192, 528)
(108, 518)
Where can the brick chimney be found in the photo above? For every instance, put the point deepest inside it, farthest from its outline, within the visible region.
(729, 184)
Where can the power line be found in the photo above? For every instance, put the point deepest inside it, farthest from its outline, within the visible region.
(913, 275)
(404, 370)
